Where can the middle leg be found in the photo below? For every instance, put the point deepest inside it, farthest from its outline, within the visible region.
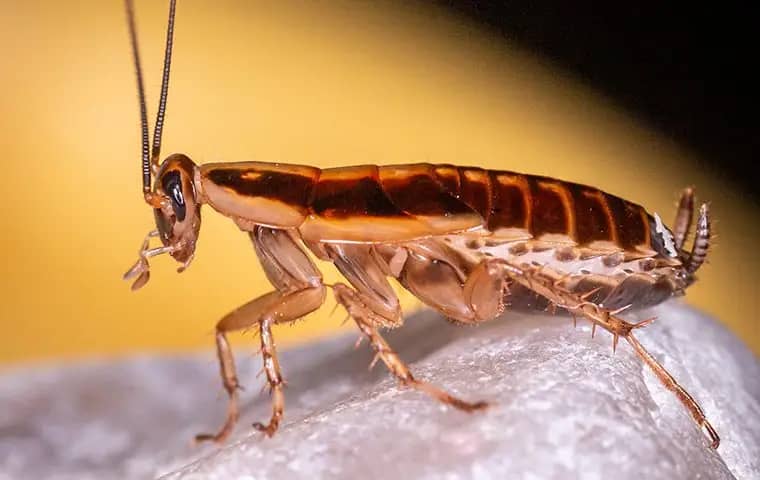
(372, 303)
(362, 316)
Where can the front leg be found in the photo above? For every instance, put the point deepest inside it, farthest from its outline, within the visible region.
(299, 292)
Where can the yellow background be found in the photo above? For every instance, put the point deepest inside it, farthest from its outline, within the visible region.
(323, 83)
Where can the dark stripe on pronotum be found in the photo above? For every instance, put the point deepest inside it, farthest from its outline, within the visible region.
(289, 188)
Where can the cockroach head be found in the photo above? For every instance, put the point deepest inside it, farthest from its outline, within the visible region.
(173, 196)
(176, 206)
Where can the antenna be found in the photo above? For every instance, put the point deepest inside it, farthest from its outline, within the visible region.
(141, 93)
(158, 130)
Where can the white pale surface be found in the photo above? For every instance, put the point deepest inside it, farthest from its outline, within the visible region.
(564, 407)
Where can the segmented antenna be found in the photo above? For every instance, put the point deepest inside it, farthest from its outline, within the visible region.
(158, 130)
(141, 93)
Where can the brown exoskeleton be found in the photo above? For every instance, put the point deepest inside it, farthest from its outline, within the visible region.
(464, 240)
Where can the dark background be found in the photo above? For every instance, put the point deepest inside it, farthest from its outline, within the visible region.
(683, 70)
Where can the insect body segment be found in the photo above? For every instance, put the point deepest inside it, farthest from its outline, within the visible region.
(266, 194)
(466, 241)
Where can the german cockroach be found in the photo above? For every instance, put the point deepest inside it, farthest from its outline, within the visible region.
(464, 240)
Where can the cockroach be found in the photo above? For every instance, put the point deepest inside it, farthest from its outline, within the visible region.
(465, 241)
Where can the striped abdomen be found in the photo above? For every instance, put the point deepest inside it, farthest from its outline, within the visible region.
(403, 202)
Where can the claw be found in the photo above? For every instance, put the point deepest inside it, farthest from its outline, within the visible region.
(710, 432)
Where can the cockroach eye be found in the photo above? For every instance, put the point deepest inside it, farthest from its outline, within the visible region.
(172, 184)
(178, 201)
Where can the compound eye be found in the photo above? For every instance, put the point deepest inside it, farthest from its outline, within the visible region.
(172, 183)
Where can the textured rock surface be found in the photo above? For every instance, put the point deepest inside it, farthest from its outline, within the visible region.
(565, 407)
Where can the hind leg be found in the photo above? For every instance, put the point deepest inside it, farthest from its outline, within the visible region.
(608, 320)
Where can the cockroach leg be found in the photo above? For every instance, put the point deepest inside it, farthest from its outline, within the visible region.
(274, 378)
(671, 384)
(372, 303)
(274, 307)
(230, 382)
(351, 300)
(299, 292)
(684, 217)
(366, 274)
(618, 328)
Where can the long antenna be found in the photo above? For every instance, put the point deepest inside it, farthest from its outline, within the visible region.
(141, 93)
(158, 130)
